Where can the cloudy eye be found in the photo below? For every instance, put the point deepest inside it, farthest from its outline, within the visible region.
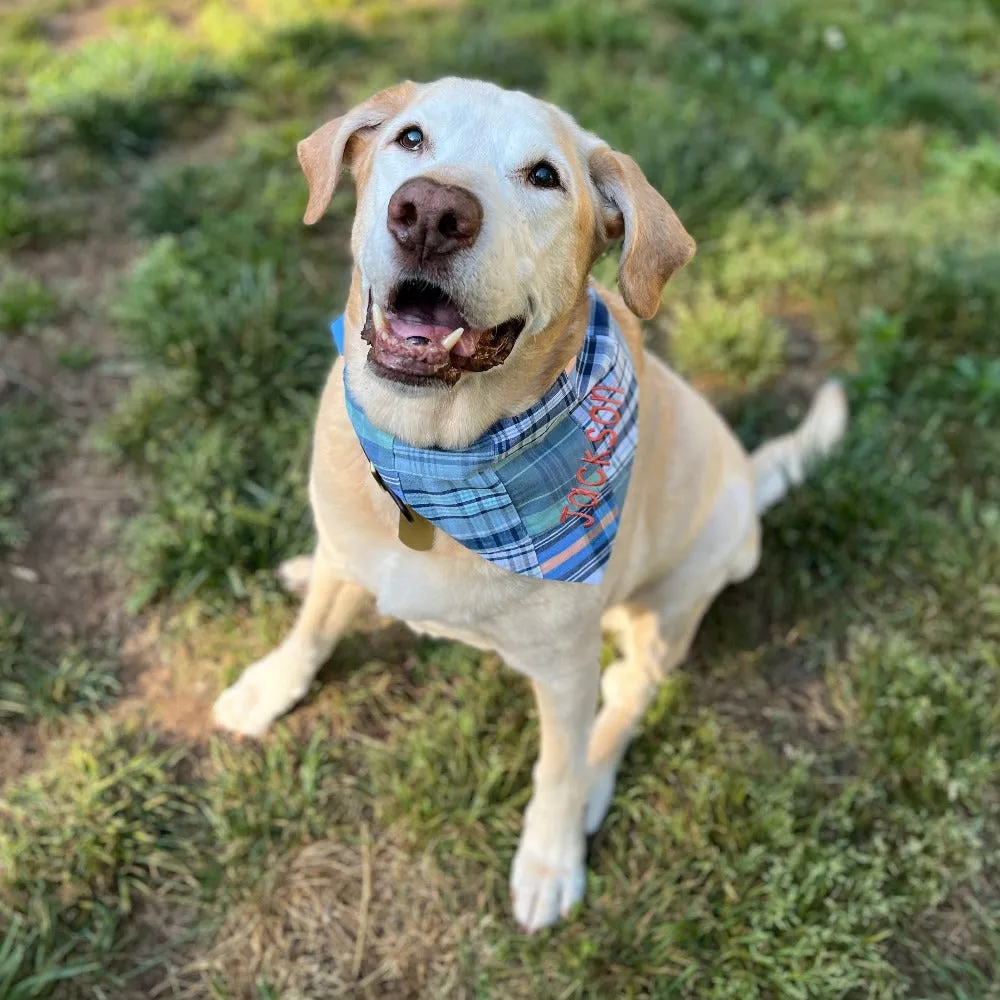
(410, 138)
(543, 175)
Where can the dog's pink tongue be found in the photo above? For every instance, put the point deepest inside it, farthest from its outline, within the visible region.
(417, 333)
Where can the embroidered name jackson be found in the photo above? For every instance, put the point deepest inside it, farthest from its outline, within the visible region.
(600, 432)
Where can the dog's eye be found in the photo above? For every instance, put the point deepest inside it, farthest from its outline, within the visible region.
(410, 138)
(543, 175)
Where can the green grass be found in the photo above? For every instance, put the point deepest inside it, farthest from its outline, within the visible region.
(810, 810)
(118, 826)
(83, 842)
(77, 359)
(24, 302)
(37, 684)
(125, 94)
(111, 818)
(18, 216)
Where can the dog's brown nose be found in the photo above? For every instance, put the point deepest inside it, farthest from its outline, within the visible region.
(428, 219)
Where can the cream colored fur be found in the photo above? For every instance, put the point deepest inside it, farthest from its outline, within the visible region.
(690, 523)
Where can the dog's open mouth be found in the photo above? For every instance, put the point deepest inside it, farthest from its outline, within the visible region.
(421, 336)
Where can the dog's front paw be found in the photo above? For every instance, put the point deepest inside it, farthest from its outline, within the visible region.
(266, 690)
(545, 885)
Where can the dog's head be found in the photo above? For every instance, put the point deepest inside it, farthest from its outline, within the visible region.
(480, 212)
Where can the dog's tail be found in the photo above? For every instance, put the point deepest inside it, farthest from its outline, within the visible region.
(782, 462)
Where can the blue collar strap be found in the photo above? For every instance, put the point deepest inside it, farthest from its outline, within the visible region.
(541, 493)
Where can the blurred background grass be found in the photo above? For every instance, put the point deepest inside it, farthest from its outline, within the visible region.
(810, 811)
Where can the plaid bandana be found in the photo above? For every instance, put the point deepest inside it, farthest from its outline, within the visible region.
(541, 493)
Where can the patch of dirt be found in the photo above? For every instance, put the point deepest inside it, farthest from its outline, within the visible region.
(63, 576)
(175, 697)
(18, 750)
(344, 919)
(784, 701)
(186, 664)
(64, 579)
(66, 576)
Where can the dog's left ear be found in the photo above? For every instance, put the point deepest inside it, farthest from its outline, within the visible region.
(337, 144)
(656, 244)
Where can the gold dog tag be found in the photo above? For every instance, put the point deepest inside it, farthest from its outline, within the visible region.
(417, 533)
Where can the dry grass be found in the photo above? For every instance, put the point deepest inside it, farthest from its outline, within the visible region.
(341, 919)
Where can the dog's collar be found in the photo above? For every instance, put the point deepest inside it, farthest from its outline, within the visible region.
(540, 493)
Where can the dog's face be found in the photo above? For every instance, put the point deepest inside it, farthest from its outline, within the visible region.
(469, 217)
(480, 212)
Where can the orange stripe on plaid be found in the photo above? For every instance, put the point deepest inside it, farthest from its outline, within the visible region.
(580, 543)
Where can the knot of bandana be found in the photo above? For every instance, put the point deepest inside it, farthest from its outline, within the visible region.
(540, 493)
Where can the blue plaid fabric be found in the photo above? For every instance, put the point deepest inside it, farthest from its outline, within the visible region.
(540, 493)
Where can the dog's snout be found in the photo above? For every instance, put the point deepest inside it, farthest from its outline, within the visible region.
(428, 219)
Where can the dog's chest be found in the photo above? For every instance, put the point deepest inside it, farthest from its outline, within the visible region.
(451, 594)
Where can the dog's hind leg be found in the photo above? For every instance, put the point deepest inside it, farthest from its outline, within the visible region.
(657, 627)
(271, 686)
(651, 648)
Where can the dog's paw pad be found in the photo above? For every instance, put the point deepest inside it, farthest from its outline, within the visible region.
(542, 894)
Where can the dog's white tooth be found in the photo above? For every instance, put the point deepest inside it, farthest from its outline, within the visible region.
(453, 338)
(378, 316)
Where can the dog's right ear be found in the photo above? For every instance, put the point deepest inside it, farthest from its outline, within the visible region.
(337, 144)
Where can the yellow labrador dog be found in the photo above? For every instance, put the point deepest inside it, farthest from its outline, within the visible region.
(479, 214)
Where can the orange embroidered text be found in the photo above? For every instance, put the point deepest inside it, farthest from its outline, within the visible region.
(600, 432)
